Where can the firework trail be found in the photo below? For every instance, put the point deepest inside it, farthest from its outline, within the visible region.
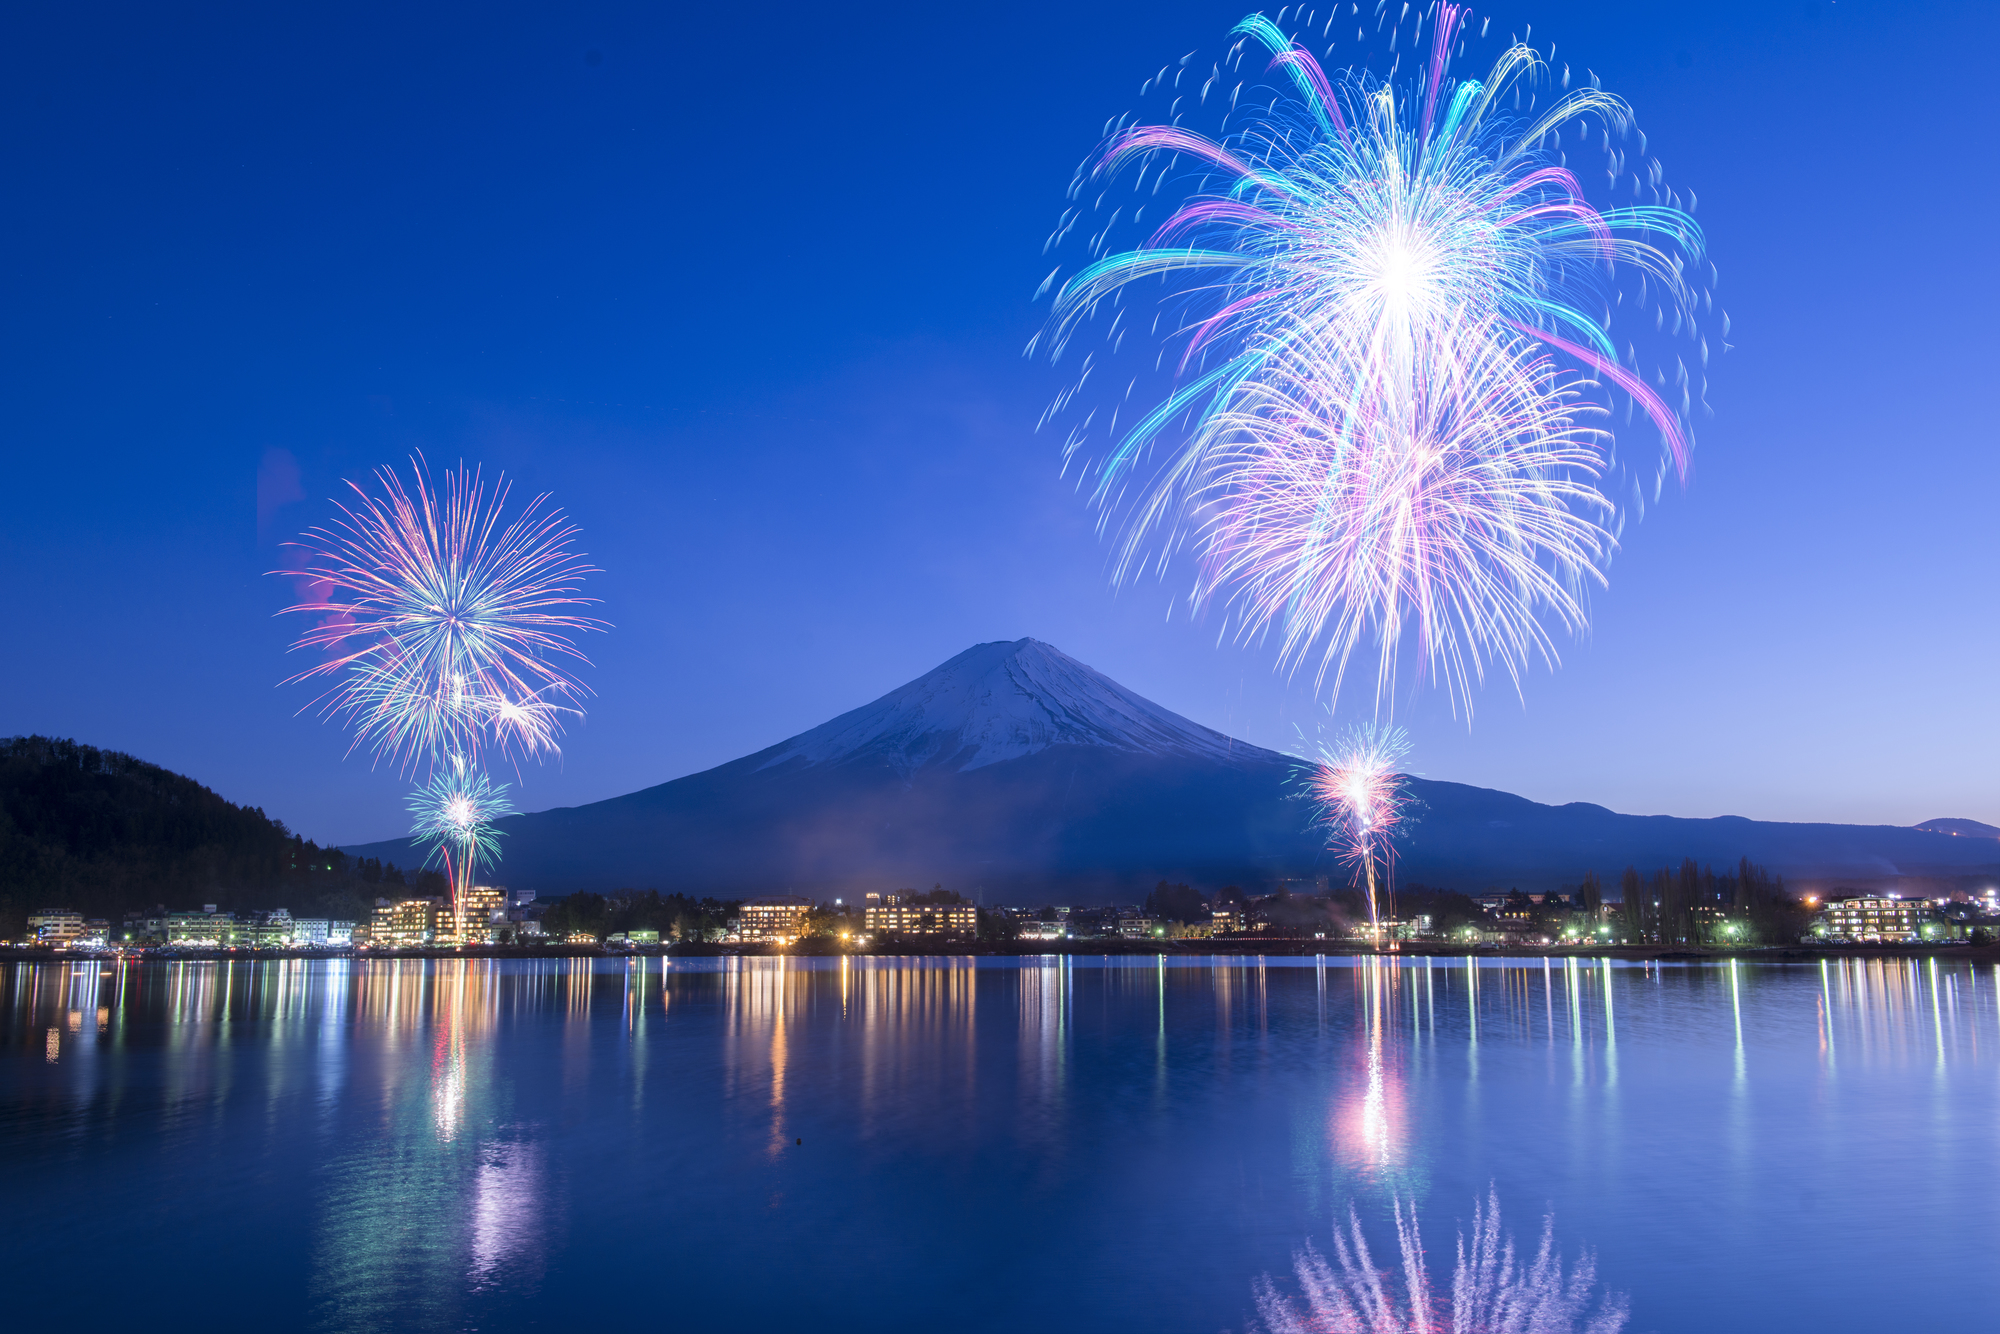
(1380, 410)
(1358, 793)
(454, 815)
(1491, 1289)
(446, 628)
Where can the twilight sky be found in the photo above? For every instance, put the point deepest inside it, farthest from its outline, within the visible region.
(747, 288)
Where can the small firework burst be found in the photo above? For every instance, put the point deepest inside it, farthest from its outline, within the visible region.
(455, 813)
(1358, 792)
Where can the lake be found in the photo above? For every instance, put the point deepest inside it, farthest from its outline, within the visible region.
(981, 1144)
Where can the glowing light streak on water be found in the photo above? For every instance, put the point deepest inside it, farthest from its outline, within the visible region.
(1610, 1029)
(1937, 1017)
(1371, 1131)
(1736, 1012)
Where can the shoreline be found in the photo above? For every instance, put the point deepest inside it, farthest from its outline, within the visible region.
(1244, 947)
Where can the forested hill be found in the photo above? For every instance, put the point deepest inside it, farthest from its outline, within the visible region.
(104, 833)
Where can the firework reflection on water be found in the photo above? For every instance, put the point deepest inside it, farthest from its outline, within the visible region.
(1494, 1289)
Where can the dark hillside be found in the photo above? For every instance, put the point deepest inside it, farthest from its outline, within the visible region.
(105, 833)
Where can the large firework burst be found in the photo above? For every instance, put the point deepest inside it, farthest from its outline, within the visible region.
(446, 627)
(1390, 310)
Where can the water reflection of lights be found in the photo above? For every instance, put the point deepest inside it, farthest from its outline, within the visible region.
(462, 1007)
(901, 1033)
(506, 1208)
(900, 1004)
(448, 1079)
(1371, 1130)
(1890, 1009)
(1045, 993)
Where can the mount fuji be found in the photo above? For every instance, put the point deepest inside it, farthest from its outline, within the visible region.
(999, 702)
(1017, 771)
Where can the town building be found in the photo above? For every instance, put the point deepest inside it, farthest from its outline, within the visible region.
(264, 930)
(56, 926)
(1225, 921)
(145, 927)
(405, 922)
(478, 917)
(1393, 928)
(1873, 919)
(779, 917)
(1036, 929)
(321, 932)
(925, 919)
(203, 926)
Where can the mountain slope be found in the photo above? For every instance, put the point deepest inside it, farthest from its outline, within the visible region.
(103, 832)
(1016, 770)
(1961, 828)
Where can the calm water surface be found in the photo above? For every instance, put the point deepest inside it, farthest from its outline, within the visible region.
(937, 1144)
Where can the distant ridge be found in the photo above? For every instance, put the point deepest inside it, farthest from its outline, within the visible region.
(1961, 828)
(1017, 772)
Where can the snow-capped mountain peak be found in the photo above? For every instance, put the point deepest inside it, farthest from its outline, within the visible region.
(1001, 701)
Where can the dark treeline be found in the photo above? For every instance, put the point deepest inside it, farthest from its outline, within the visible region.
(1686, 905)
(1333, 911)
(1692, 905)
(1346, 909)
(1177, 903)
(105, 834)
(674, 916)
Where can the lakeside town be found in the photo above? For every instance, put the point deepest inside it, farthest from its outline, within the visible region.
(1672, 911)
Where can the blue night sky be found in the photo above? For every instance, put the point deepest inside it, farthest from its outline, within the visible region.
(747, 289)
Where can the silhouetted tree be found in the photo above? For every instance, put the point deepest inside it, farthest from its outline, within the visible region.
(1632, 914)
(1590, 894)
(1176, 903)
